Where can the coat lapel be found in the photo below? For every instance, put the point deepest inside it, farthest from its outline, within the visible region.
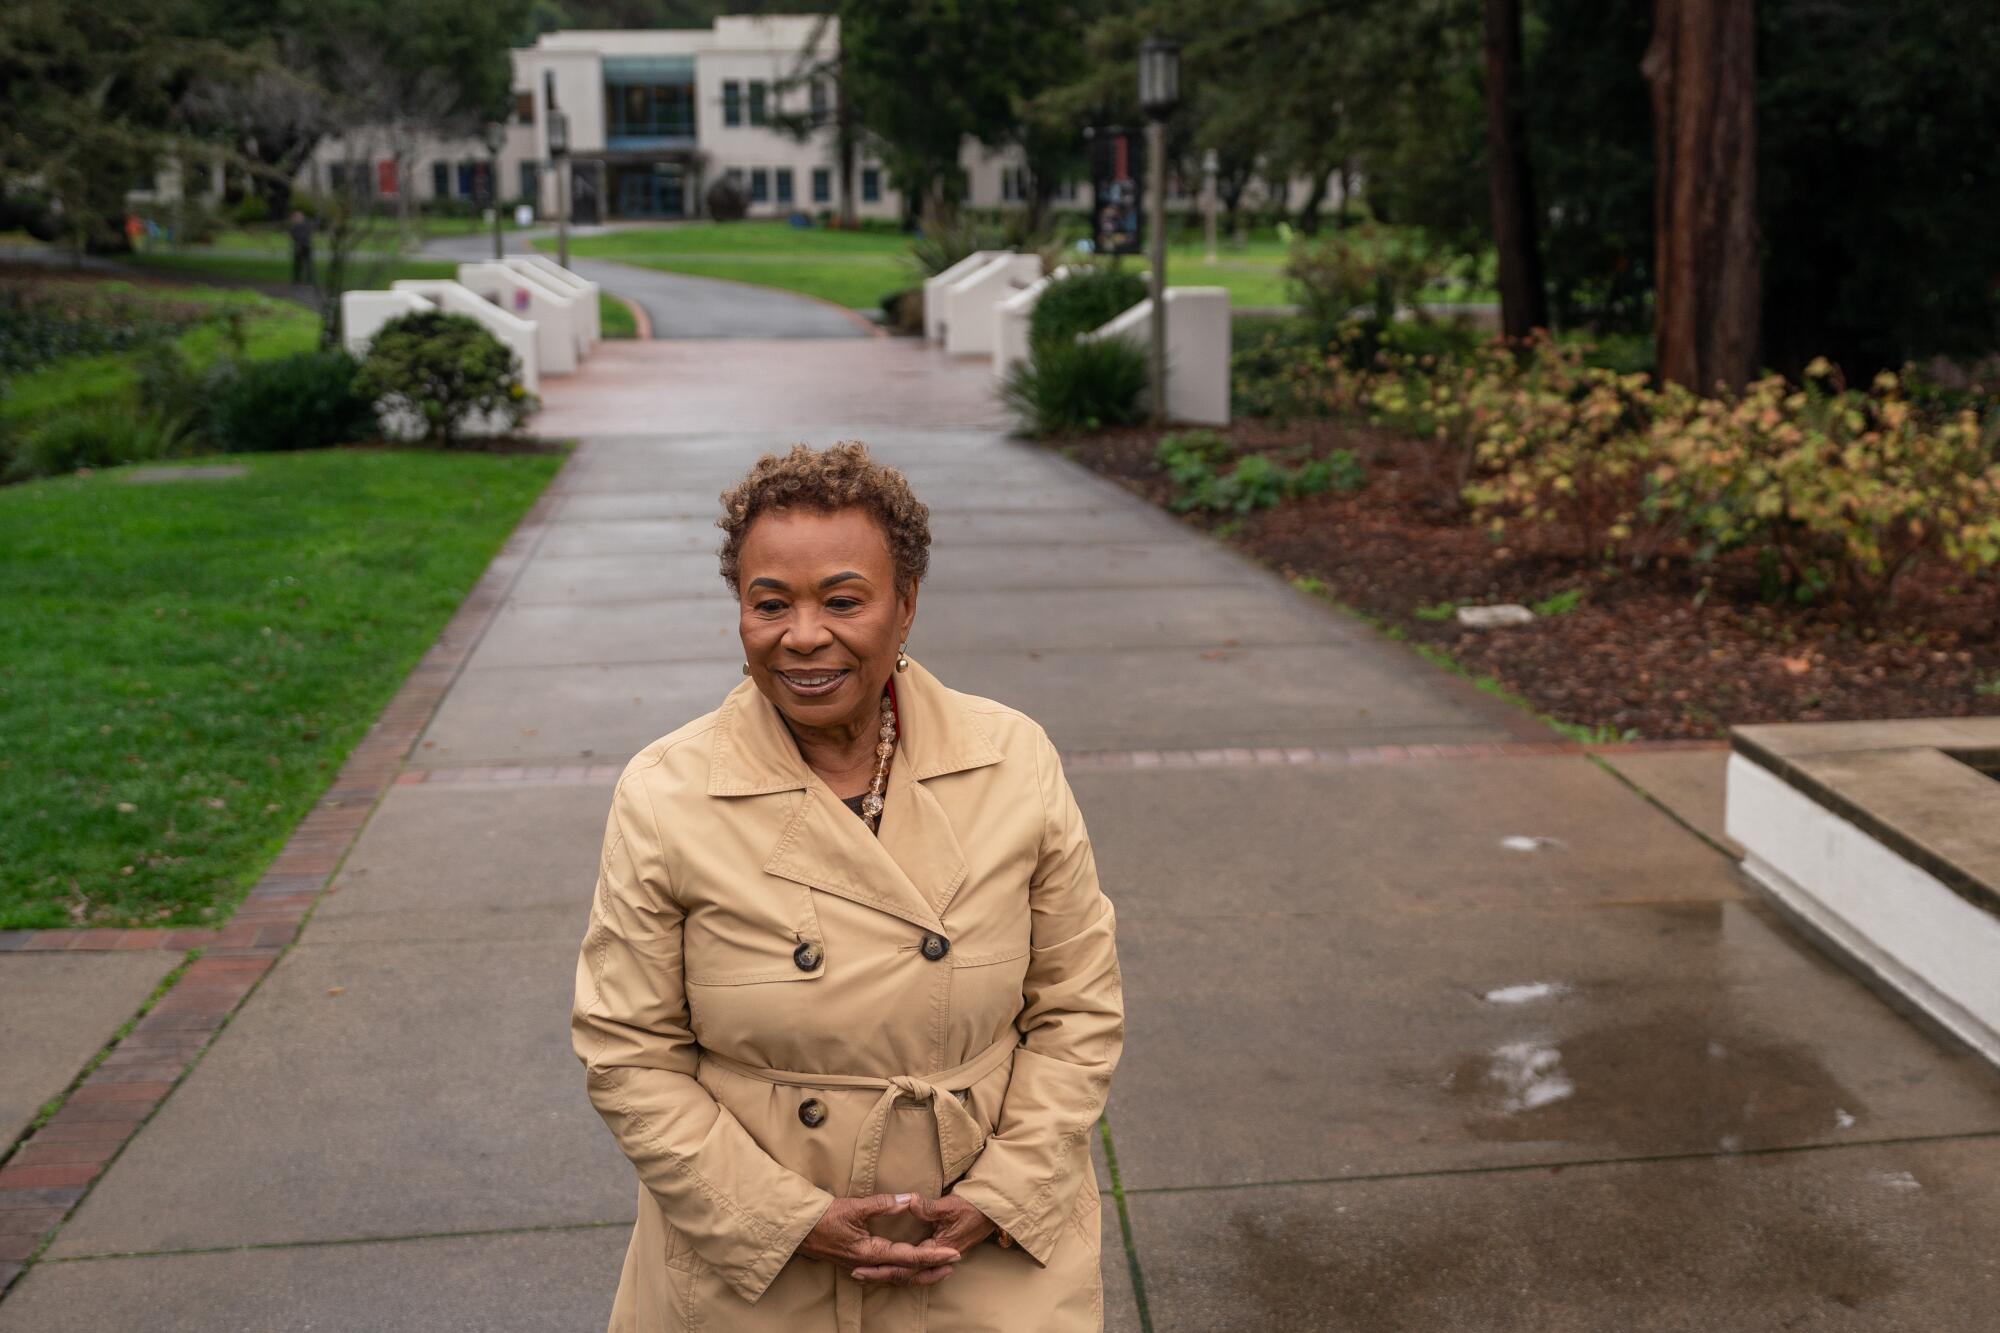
(916, 865)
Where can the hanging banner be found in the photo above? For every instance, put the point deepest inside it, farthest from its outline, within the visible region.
(385, 178)
(1117, 177)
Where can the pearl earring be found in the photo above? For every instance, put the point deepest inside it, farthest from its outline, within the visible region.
(903, 658)
(746, 668)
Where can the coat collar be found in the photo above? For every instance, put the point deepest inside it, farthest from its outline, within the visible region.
(915, 867)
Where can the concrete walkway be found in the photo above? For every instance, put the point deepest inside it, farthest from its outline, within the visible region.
(680, 306)
(1418, 1040)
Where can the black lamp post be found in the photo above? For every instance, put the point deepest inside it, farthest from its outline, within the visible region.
(496, 139)
(558, 132)
(1159, 94)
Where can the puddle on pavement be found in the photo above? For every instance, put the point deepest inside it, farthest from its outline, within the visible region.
(1673, 1081)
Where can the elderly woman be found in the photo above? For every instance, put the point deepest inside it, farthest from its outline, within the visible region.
(849, 998)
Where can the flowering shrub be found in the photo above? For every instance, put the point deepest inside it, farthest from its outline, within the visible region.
(1839, 491)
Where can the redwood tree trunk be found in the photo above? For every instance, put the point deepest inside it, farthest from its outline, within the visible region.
(1524, 301)
(1702, 70)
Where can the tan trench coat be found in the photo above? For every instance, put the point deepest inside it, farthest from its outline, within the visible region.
(767, 1022)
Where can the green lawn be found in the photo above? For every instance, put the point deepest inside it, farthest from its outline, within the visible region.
(184, 667)
(276, 268)
(614, 318)
(848, 268)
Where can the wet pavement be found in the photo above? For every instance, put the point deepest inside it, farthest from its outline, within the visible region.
(1488, 1043)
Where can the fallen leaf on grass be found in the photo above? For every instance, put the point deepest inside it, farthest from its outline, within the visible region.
(1797, 666)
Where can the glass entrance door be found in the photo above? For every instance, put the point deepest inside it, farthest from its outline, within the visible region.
(653, 190)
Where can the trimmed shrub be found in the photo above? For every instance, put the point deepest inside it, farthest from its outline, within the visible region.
(444, 371)
(1067, 385)
(103, 435)
(309, 401)
(727, 201)
(903, 312)
(1082, 300)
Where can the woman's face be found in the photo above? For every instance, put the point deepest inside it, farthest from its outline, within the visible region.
(819, 614)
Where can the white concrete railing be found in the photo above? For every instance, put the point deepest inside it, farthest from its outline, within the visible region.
(517, 335)
(362, 315)
(971, 303)
(1197, 350)
(1011, 321)
(935, 285)
(564, 279)
(558, 327)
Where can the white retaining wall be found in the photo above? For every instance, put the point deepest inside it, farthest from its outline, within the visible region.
(575, 284)
(971, 304)
(1892, 917)
(1197, 350)
(935, 285)
(559, 332)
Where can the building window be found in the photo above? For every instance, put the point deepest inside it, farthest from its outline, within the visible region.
(440, 180)
(468, 179)
(871, 185)
(732, 102)
(531, 182)
(759, 111)
(784, 185)
(524, 108)
(822, 185)
(760, 185)
(819, 101)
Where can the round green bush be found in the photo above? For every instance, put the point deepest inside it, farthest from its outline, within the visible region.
(309, 401)
(444, 373)
(1082, 300)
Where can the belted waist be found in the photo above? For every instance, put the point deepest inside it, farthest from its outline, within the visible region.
(959, 1136)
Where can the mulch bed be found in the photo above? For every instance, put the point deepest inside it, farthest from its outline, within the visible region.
(1675, 650)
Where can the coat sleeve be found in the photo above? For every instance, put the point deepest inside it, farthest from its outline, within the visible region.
(1072, 1026)
(741, 1210)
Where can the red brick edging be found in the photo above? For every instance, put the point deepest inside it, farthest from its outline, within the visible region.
(54, 1166)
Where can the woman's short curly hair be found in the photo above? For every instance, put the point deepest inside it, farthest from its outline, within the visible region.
(840, 476)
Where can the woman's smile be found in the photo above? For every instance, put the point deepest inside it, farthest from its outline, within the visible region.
(812, 684)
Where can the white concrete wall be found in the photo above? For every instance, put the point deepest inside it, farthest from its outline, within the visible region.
(1011, 321)
(515, 334)
(1892, 917)
(362, 315)
(972, 302)
(560, 337)
(569, 281)
(935, 285)
(1197, 350)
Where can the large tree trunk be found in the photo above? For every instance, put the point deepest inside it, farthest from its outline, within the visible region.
(1702, 69)
(1524, 301)
(1308, 221)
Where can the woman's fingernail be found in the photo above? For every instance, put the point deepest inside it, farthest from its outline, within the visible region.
(904, 1198)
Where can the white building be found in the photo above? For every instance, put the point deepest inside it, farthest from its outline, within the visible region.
(654, 116)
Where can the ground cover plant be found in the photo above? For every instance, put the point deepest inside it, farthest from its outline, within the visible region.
(183, 667)
(146, 394)
(1804, 551)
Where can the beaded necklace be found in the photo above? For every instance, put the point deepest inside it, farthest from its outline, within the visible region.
(885, 746)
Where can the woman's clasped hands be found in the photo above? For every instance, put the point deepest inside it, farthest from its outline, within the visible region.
(841, 1237)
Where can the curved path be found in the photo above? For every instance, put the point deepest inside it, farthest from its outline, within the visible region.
(683, 307)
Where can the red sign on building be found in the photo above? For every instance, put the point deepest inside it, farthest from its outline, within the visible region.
(385, 178)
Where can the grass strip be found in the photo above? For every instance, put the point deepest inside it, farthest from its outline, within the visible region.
(1125, 1225)
(184, 667)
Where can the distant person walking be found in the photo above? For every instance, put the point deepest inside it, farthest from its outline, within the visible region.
(301, 229)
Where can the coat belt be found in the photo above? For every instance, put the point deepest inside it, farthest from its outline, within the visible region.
(959, 1136)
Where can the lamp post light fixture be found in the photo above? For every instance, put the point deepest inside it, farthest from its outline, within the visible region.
(1159, 94)
(496, 139)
